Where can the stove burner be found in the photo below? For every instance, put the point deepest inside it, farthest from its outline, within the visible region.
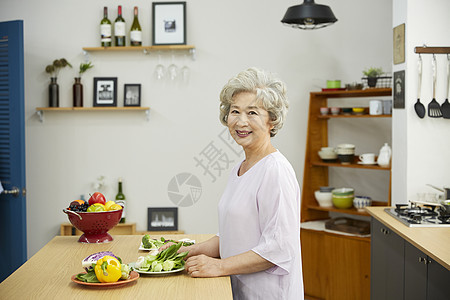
(415, 215)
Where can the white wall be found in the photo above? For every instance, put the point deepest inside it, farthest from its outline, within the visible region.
(421, 145)
(68, 151)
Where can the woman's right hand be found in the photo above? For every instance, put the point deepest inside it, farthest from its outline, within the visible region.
(182, 249)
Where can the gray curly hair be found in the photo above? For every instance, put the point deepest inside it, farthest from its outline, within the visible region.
(270, 92)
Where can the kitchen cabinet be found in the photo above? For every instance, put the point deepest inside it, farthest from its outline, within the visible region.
(387, 264)
(424, 277)
(346, 274)
(399, 270)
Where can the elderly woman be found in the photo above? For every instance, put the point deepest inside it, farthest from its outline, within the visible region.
(258, 243)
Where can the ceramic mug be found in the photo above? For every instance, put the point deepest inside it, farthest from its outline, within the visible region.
(367, 158)
(335, 110)
(387, 107)
(375, 107)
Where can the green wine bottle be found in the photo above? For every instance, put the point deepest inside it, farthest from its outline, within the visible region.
(135, 30)
(121, 200)
(105, 29)
(119, 29)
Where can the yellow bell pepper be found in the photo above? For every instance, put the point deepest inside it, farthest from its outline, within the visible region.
(108, 269)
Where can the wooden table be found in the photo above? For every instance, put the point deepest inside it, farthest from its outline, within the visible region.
(46, 275)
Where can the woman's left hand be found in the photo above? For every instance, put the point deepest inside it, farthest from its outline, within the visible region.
(204, 266)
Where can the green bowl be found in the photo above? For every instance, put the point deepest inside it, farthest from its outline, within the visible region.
(343, 192)
(343, 202)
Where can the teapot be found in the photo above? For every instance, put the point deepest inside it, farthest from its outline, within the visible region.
(384, 157)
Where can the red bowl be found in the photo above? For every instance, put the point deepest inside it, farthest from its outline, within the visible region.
(95, 225)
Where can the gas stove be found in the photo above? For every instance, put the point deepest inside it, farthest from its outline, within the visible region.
(413, 215)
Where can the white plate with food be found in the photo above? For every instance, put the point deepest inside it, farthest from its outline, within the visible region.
(155, 273)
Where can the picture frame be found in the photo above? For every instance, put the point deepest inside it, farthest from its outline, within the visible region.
(399, 44)
(132, 94)
(169, 23)
(399, 89)
(105, 91)
(162, 219)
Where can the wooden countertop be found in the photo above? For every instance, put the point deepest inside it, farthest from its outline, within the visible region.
(433, 241)
(46, 275)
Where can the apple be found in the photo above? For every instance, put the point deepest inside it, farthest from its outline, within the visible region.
(97, 198)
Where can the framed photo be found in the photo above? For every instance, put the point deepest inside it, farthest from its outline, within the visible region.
(105, 91)
(399, 44)
(169, 23)
(399, 89)
(132, 95)
(162, 218)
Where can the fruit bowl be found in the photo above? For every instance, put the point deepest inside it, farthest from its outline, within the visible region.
(94, 225)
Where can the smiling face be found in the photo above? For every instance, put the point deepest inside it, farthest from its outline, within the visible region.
(248, 122)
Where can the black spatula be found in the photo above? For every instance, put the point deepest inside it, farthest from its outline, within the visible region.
(445, 107)
(419, 107)
(434, 109)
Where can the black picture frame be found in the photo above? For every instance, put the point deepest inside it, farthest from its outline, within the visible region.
(162, 219)
(169, 23)
(105, 91)
(132, 94)
(399, 89)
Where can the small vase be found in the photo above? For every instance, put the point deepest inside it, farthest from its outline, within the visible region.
(77, 93)
(372, 81)
(53, 93)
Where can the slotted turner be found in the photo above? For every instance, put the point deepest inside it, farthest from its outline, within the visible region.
(434, 109)
(445, 107)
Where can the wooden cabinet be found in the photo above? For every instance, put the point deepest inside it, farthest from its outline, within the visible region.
(346, 274)
(399, 270)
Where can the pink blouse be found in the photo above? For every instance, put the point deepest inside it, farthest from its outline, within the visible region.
(260, 211)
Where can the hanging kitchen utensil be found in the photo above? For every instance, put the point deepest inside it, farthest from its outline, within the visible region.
(445, 107)
(419, 107)
(434, 109)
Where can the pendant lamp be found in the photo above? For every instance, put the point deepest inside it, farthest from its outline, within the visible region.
(309, 15)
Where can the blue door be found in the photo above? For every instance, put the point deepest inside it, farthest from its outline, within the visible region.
(13, 238)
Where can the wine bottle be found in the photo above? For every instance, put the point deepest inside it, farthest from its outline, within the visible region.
(121, 200)
(105, 29)
(135, 30)
(119, 29)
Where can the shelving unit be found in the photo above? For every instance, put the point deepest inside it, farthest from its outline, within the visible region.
(334, 266)
(40, 110)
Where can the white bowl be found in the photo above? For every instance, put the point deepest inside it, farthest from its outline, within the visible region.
(327, 155)
(346, 146)
(324, 198)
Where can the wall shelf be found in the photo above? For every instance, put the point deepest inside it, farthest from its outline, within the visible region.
(40, 110)
(143, 49)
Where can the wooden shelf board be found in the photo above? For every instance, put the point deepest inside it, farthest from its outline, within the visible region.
(352, 116)
(140, 48)
(351, 211)
(352, 165)
(354, 93)
(106, 108)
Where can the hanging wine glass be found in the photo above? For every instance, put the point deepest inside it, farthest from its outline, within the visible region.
(185, 71)
(173, 69)
(160, 70)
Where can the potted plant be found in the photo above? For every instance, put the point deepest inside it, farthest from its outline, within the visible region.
(53, 88)
(78, 87)
(372, 76)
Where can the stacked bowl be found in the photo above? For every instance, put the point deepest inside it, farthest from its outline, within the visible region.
(328, 154)
(343, 197)
(346, 153)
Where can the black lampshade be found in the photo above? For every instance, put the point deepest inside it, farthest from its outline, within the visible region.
(309, 15)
